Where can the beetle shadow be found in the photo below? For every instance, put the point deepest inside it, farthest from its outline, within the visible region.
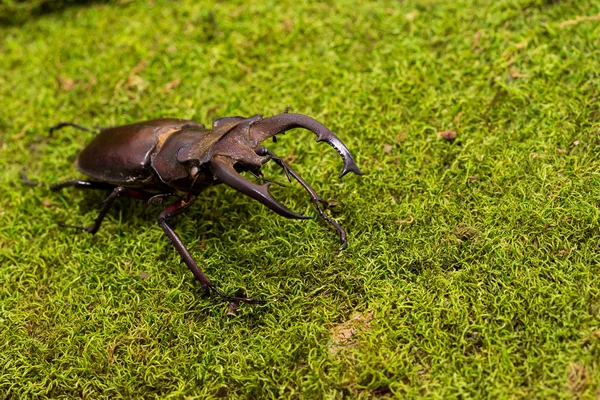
(218, 214)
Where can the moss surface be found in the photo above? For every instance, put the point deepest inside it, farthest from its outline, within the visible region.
(473, 265)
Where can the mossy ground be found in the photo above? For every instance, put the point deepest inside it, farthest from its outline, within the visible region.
(472, 270)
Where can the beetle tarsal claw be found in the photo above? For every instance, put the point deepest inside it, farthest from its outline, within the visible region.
(236, 299)
(222, 168)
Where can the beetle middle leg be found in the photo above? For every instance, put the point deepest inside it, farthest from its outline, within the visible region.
(163, 220)
(318, 200)
(107, 204)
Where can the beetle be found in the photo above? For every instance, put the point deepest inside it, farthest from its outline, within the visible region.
(157, 159)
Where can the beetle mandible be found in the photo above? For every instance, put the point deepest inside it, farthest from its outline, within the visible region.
(166, 157)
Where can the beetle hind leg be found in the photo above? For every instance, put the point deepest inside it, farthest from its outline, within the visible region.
(61, 125)
(79, 184)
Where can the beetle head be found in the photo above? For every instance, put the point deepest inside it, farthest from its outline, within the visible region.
(234, 146)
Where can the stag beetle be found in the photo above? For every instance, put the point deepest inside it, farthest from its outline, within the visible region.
(156, 159)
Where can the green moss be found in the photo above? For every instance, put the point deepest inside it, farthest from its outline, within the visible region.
(473, 265)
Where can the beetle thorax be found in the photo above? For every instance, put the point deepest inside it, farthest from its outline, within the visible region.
(237, 147)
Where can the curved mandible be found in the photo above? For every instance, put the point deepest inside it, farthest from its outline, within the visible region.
(271, 126)
(223, 170)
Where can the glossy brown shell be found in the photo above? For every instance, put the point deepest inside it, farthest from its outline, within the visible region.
(123, 155)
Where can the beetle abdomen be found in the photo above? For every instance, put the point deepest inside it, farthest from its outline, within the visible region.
(122, 155)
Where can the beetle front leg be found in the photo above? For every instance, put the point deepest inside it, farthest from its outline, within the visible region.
(314, 196)
(163, 220)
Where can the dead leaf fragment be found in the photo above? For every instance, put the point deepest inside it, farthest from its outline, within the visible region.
(21, 134)
(457, 119)
(46, 203)
(448, 136)
(66, 84)
(408, 221)
(342, 335)
(514, 74)
(144, 275)
(411, 15)
(172, 85)
(476, 40)
(387, 148)
(400, 137)
(232, 308)
(133, 80)
(464, 232)
(92, 81)
(521, 45)
(288, 25)
(564, 252)
(578, 20)
(577, 377)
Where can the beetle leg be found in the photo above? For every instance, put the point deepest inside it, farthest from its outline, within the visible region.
(61, 125)
(163, 220)
(259, 175)
(107, 204)
(117, 191)
(159, 198)
(81, 185)
(75, 183)
(318, 200)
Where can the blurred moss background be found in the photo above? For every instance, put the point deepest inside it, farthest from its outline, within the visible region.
(472, 270)
(19, 11)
